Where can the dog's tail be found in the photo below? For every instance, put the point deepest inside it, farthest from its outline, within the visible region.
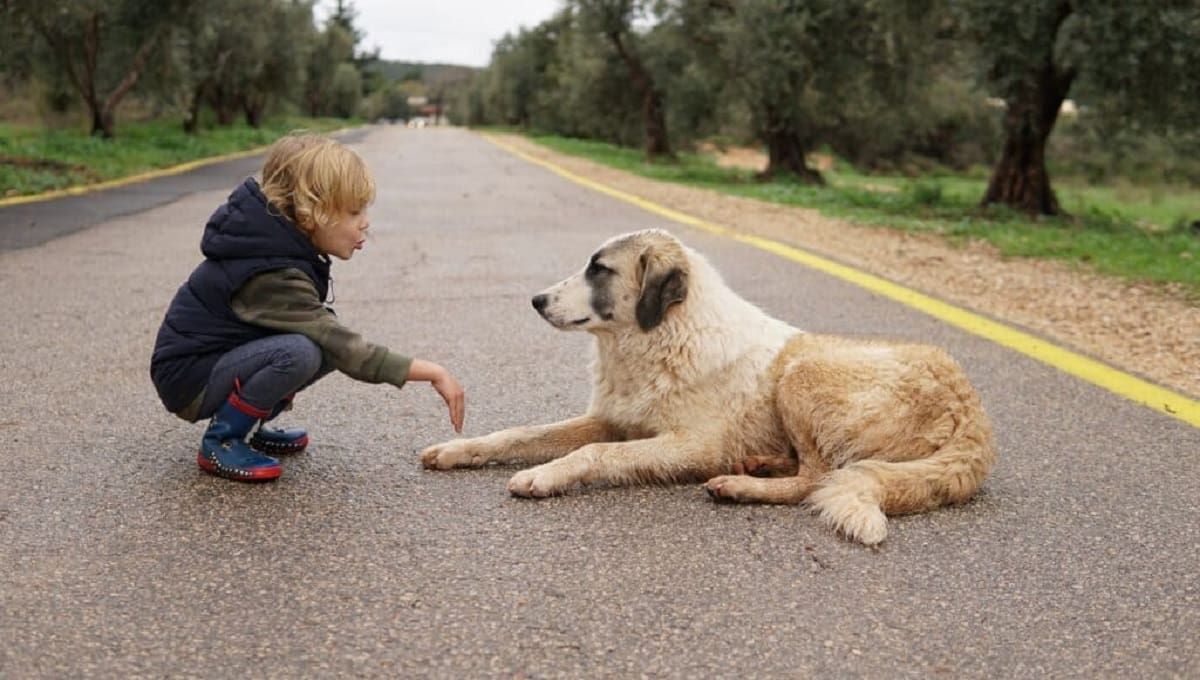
(857, 498)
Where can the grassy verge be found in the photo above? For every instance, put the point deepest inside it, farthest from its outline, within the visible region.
(1136, 233)
(34, 159)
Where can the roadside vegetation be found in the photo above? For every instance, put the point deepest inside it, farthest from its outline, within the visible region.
(35, 159)
(1050, 128)
(923, 83)
(1139, 233)
(95, 90)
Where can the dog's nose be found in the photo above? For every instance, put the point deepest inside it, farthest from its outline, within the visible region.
(539, 302)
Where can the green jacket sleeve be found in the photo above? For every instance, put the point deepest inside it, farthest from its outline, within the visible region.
(286, 300)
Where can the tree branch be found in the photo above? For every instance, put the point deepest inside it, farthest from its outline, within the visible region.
(135, 68)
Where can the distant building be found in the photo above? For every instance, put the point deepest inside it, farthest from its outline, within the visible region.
(434, 114)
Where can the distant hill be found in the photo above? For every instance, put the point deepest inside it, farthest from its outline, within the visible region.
(427, 73)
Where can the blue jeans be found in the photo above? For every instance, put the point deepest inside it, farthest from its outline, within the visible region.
(269, 370)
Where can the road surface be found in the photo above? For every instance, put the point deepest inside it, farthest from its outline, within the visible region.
(122, 559)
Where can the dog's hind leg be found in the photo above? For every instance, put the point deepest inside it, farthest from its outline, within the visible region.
(528, 444)
(857, 498)
(747, 489)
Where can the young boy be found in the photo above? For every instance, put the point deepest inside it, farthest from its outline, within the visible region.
(250, 327)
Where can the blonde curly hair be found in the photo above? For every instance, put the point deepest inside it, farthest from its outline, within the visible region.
(310, 179)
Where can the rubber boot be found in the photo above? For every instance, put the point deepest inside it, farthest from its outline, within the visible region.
(224, 451)
(279, 441)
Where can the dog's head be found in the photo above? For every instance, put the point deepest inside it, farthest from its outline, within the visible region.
(633, 279)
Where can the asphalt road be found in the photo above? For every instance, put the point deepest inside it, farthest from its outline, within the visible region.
(120, 558)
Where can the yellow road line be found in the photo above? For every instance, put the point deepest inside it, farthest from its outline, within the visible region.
(1126, 385)
(131, 179)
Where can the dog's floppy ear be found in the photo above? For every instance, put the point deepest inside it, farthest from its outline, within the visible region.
(664, 282)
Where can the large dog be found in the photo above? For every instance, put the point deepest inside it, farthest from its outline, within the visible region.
(692, 382)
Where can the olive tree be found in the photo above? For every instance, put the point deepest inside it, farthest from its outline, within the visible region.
(614, 21)
(103, 46)
(1137, 61)
(804, 68)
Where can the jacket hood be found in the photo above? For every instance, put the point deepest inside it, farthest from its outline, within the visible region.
(244, 228)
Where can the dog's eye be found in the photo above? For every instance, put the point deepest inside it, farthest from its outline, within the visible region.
(596, 269)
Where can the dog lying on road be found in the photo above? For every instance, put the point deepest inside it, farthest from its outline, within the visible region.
(692, 382)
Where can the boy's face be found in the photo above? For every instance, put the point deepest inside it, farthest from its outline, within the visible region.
(344, 235)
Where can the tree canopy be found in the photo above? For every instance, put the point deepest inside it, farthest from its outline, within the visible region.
(877, 81)
(229, 58)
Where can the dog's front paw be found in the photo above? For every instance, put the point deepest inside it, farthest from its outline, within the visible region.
(456, 453)
(532, 483)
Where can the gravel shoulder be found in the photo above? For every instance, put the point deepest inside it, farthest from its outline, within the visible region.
(1139, 328)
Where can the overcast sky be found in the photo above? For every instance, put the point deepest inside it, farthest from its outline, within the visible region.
(443, 31)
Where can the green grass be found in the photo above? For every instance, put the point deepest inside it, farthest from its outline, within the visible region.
(34, 159)
(1132, 232)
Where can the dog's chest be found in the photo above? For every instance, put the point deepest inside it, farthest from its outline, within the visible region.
(663, 397)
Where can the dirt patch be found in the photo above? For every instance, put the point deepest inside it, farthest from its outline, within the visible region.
(1152, 331)
(734, 156)
(747, 158)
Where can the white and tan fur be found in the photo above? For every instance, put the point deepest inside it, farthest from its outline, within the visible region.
(692, 382)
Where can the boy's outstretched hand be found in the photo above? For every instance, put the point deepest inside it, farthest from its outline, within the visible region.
(446, 385)
(455, 398)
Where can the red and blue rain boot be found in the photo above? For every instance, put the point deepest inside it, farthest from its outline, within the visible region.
(276, 441)
(224, 451)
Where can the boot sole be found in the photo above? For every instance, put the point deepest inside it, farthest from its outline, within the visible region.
(280, 450)
(265, 474)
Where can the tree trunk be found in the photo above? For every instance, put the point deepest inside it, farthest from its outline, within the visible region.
(224, 105)
(102, 122)
(131, 76)
(654, 119)
(254, 115)
(1020, 179)
(786, 152)
(657, 144)
(205, 90)
(191, 121)
(253, 106)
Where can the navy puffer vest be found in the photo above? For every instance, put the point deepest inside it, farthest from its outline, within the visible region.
(240, 240)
